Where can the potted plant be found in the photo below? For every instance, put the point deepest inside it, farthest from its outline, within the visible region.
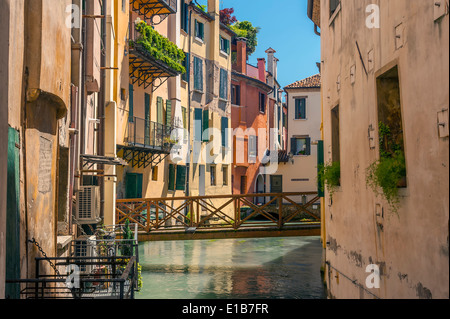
(330, 175)
(388, 173)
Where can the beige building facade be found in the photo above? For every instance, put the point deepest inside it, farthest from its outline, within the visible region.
(386, 64)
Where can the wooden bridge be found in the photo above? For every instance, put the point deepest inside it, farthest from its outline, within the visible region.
(222, 216)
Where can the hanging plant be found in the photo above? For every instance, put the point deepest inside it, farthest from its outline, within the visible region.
(330, 175)
(160, 47)
(388, 173)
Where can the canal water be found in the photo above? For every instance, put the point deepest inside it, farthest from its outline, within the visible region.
(259, 268)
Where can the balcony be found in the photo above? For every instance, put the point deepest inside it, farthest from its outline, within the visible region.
(149, 9)
(103, 265)
(146, 143)
(153, 58)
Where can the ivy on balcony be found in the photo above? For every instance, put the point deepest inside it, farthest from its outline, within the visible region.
(160, 47)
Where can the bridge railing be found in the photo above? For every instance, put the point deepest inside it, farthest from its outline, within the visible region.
(219, 212)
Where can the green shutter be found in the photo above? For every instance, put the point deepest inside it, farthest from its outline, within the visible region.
(13, 214)
(224, 131)
(198, 115)
(169, 113)
(181, 178)
(159, 110)
(198, 74)
(223, 84)
(294, 150)
(320, 163)
(183, 111)
(131, 102)
(308, 146)
(134, 185)
(171, 177)
(205, 126)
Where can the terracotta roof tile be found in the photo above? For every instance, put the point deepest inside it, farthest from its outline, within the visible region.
(311, 82)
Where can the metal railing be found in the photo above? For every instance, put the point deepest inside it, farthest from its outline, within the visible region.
(100, 266)
(219, 212)
(148, 134)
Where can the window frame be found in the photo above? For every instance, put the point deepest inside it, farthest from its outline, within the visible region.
(262, 103)
(198, 75)
(199, 33)
(307, 143)
(295, 108)
(213, 176)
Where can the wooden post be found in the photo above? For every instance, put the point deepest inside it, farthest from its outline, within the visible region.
(280, 211)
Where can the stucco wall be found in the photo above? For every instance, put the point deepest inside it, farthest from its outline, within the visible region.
(301, 174)
(411, 247)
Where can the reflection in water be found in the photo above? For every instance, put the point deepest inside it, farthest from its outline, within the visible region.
(258, 268)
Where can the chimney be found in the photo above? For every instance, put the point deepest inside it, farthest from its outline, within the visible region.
(262, 69)
(241, 50)
(271, 63)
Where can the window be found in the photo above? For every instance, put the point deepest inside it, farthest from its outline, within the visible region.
(199, 30)
(212, 170)
(252, 148)
(300, 109)
(155, 173)
(390, 127)
(181, 178)
(236, 94)
(225, 175)
(184, 17)
(186, 64)
(223, 84)
(168, 113)
(301, 146)
(124, 5)
(335, 139)
(123, 94)
(224, 45)
(198, 74)
(243, 184)
(262, 102)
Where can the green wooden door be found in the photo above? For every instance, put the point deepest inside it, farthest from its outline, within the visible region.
(134, 186)
(13, 215)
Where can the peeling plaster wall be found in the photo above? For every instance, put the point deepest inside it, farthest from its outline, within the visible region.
(411, 248)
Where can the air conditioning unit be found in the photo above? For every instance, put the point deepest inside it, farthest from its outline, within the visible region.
(85, 246)
(88, 205)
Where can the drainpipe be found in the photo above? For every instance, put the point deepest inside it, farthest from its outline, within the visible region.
(101, 107)
(188, 164)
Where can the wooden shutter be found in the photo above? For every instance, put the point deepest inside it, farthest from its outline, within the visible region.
(159, 110)
(134, 186)
(171, 177)
(294, 146)
(223, 84)
(320, 162)
(308, 146)
(205, 126)
(169, 113)
(198, 124)
(183, 112)
(131, 102)
(187, 65)
(224, 131)
(147, 120)
(181, 178)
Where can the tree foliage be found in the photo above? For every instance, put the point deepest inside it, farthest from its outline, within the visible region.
(226, 16)
(245, 29)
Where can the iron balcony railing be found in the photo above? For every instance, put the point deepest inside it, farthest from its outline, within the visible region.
(147, 134)
(99, 266)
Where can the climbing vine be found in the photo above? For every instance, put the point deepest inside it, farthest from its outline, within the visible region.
(388, 172)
